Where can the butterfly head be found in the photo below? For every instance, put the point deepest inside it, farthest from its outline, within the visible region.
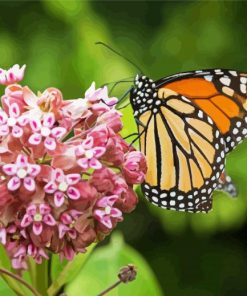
(143, 93)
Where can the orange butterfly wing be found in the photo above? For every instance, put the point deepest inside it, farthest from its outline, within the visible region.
(221, 94)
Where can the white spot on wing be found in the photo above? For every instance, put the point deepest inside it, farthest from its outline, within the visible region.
(208, 78)
(243, 88)
(233, 73)
(225, 80)
(243, 79)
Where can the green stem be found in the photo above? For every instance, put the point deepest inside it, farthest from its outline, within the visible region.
(13, 284)
(32, 270)
(20, 280)
(40, 277)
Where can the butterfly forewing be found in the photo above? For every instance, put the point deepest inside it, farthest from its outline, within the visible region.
(221, 94)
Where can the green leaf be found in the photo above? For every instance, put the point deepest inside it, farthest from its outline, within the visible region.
(70, 270)
(56, 266)
(101, 271)
(4, 289)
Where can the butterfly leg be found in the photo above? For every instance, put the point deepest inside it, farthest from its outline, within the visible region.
(226, 185)
(138, 134)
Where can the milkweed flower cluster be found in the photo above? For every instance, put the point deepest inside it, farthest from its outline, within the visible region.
(66, 175)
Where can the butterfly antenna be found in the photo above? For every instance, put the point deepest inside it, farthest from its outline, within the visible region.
(119, 54)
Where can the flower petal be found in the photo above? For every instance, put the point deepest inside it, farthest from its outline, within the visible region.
(17, 131)
(62, 229)
(29, 183)
(99, 151)
(3, 117)
(66, 218)
(35, 139)
(49, 120)
(106, 221)
(58, 199)
(83, 163)
(10, 169)
(21, 160)
(88, 143)
(58, 132)
(37, 228)
(73, 193)
(4, 130)
(31, 210)
(23, 120)
(58, 175)
(50, 143)
(50, 187)
(35, 125)
(116, 213)
(49, 220)
(72, 179)
(14, 110)
(34, 169)
(3, 235)
(44, 209)
(95, 164)
(14, 183)
(26, 220)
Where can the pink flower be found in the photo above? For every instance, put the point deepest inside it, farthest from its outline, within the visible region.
(49, 101)
(67, 224)
(128, 200)
(90, 154)
(12, 75)
(21, 172)
(106, 211)
(13, 94)
(36, 253)
(3, 235)
(112, 119)
(37, 216)
(61, 186)
(13, 123)
(45, 131)
(19, 257)
(134, 167)
(66, 174)
(76, 109)
(99, 95)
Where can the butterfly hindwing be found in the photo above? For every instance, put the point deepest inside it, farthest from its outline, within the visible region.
(183, 164)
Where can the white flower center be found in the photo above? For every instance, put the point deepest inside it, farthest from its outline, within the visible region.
(45, 131)
(63, 186)
(107, 210)
(21, 173)
(89, 154)
(11, 121)
(37, 217)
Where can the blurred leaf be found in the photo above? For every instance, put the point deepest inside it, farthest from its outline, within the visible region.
(101, 271)
(4, 289)
(69, 271)
(56, 266)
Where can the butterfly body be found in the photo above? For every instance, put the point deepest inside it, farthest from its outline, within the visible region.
(187, 123)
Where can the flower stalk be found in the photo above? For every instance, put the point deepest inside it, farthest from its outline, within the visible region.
(125, 275)
(20, 280)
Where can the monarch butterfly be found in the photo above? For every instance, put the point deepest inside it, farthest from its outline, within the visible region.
(187, 123)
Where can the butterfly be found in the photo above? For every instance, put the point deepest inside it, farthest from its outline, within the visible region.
(187, 124)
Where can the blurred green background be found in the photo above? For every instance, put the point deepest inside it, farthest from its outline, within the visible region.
(189, 254)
